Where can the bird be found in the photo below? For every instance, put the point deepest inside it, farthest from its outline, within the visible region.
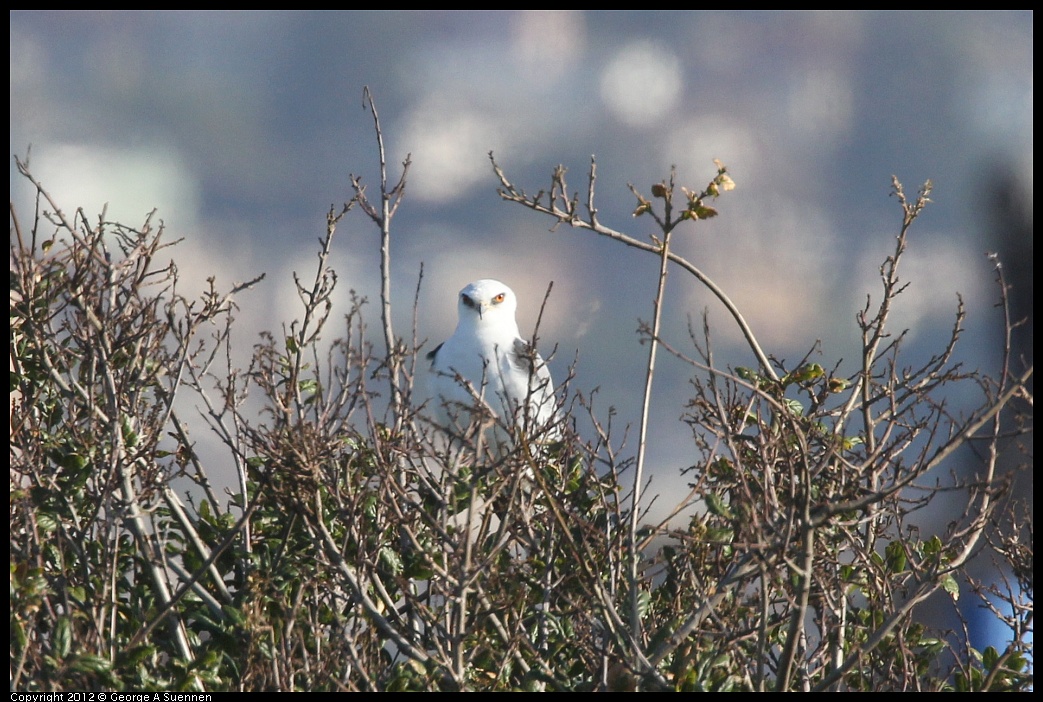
(487, 373)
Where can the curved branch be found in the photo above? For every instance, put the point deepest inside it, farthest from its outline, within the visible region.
(567, 214)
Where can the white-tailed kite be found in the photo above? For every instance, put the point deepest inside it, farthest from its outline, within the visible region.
(487, 365)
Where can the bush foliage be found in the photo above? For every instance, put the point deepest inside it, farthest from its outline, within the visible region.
(361, 552)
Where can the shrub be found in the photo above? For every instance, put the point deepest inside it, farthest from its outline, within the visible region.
(360, 553)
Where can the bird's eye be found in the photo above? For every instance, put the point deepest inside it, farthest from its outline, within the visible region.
(498, 299)
(467, 301)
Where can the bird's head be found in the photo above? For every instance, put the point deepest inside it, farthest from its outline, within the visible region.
(488, 302)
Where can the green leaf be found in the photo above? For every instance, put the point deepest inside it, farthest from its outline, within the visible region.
(807, 372)
(234, 614)
(950, 585)
(838, 384)
(932, 647)
(715, 535)
(370, 504)
(136, 655)
(391, 560)
(18, 633)
(130, 437)
(932, 547)
(849, 442)
(896, 558)
(718, 506)
(989, 658)
(644, 599)
(46, 522)
(91, 664)
(63, 638)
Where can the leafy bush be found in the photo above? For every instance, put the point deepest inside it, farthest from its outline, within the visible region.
(363, 552)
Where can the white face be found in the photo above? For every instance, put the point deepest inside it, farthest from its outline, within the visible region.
(487, 301)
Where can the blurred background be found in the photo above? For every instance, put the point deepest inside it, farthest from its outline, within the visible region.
(243, 128)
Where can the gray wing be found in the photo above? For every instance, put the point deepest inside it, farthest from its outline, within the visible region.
(431, 354)
(543, 405)
(524, 358)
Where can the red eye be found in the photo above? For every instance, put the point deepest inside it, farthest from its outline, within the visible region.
(498, 299)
